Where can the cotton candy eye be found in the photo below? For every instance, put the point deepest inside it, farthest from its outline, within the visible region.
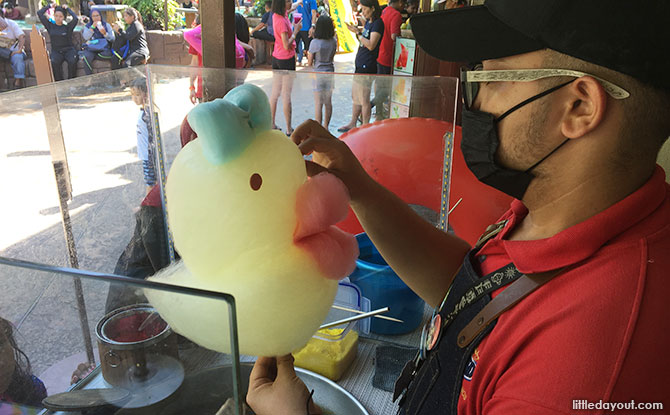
(256, 181)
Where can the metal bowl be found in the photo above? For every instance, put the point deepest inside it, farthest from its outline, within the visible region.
(204, 392)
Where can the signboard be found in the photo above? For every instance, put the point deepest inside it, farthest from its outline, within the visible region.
(403, 64)
(403, 56)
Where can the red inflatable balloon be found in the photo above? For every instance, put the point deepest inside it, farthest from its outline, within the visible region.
(406, 155)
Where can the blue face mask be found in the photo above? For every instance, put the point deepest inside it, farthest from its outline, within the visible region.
(480, 143)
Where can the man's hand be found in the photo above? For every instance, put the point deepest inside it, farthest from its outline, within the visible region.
(331, 155)
(311, 32)
(192, 96)
(275, 389)
(115, 27)
(16, 52)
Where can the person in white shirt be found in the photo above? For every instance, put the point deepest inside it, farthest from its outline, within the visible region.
(12, 40)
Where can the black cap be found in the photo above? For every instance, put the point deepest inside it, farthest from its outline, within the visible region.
(631, 37)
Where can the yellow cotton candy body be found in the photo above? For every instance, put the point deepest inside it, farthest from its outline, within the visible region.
(216, 217)
(238, 240)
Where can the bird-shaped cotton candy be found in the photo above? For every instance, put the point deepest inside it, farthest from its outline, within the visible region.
(247, 221)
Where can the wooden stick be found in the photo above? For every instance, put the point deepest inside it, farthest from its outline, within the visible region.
(354, 318)
(454, 207)
(353, 310)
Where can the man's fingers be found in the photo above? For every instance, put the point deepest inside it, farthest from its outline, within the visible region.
(318, 144)
(263, 372)
(313, 169)
(285, 368)
(309, 129)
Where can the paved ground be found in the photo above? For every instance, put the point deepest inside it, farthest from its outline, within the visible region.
(99, 130)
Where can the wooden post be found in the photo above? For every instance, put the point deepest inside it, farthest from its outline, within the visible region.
(218, 42)
(165, 14)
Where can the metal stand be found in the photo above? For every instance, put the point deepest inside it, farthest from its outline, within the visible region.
(49, 101)
(446, 180)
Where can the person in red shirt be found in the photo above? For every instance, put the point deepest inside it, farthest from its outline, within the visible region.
(283, 58)
(562, 304)
(392, 21)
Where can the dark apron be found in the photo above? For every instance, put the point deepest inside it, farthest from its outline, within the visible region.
(436, 386)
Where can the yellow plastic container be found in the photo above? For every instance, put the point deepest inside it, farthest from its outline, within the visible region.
(329, 358)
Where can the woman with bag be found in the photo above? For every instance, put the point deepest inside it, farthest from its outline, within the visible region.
(366, 62)
(134, 49)
(98, 37)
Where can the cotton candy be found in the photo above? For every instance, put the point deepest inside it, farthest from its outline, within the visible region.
(247, 221)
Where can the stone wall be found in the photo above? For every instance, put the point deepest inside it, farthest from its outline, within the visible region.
(168, 48)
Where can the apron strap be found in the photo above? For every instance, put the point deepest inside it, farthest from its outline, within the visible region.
(517, 291)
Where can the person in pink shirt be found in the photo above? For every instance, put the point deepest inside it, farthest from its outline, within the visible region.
(244, 55)
(283, 57)
(194, 38)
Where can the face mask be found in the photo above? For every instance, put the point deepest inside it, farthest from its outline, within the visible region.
(480, 143)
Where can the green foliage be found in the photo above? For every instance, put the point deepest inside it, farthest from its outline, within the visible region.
(259, 8)
(153, 13)
(70, 3)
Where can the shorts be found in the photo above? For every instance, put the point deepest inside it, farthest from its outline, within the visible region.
(286, 64)
(364, 80)
(383, 69)
(324, 81)
(371, 70)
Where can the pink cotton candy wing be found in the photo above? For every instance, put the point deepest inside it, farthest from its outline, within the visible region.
(334, 250)
(322, 202)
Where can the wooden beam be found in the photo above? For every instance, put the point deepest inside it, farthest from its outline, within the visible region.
(218, 42)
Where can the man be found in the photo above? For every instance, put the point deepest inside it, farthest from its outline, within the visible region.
(261, 31)
(12, 40)
(392, 21)
(307, 8)
(567, 114)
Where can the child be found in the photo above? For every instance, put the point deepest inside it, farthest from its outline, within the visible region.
(321, 53)
(145, 139)
(17, 383)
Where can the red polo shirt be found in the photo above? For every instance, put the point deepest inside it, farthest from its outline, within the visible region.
(392, 21)
(599, 331)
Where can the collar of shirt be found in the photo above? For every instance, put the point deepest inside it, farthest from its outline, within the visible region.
(582, 240)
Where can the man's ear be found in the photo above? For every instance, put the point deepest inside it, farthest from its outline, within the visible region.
(586, 107)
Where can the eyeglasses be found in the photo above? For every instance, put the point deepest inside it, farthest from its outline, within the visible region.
(471, 77)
